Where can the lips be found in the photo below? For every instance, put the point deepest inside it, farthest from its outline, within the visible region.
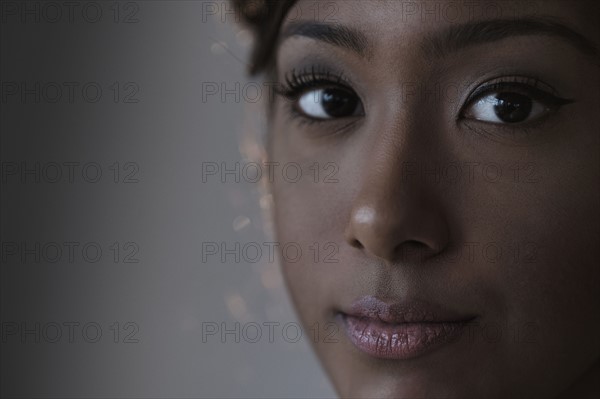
(401, 330)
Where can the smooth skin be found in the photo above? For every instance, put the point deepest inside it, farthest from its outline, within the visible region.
(508, 230)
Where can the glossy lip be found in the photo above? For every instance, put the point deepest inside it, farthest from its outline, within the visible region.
(401, 330)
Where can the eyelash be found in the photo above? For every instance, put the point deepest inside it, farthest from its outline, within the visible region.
(298, 82)
(528, 85)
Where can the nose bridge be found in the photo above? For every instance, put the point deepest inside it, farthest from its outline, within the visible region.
(392, 213)
(382, 186)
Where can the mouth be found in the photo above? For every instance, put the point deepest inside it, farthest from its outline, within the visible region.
(401, 331)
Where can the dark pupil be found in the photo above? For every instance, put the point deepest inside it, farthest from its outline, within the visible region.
(512, 107)
(339, 103)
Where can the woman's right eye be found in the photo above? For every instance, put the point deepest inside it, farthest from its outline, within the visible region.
(329, 103)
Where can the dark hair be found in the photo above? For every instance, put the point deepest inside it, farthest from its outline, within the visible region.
(264, 17)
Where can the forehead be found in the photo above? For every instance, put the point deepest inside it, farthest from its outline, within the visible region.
(397, 22)
(420, 33)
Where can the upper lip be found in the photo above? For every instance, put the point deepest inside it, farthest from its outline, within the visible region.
(408, 311)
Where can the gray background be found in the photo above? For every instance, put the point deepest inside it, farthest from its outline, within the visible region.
(156, 209)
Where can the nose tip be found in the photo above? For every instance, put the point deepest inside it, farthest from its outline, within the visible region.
(407, 234)
(358, 235)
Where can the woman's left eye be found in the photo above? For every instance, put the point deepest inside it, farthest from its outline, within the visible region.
(329, 103)
(506, 107)
(512, 102)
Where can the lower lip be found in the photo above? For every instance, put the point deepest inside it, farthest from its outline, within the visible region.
(400, 341)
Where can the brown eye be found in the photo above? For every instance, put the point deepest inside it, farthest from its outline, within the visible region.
(505, 108)
(329, 103)
(513, 107)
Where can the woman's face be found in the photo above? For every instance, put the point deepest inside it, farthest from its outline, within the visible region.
(448, 207)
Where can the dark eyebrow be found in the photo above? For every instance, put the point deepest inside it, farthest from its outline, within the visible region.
(457, 37)
(338, 35)
(450, 39)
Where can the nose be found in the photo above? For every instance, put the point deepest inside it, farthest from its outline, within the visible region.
(396, 216)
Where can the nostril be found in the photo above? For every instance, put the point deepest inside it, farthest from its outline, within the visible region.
(356, 244)
(414, 243)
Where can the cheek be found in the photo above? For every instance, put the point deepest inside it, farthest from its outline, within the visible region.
(558, 283)
(307, 215)
(557, 218)
(545, 281)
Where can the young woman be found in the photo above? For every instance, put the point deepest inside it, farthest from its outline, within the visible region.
(451, 167)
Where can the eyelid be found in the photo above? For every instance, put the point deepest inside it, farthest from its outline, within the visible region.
(315, 76)
(531, 86)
